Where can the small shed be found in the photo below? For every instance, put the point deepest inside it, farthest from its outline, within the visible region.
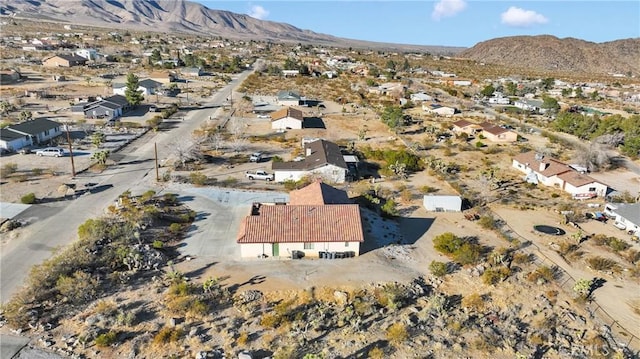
(435, 203)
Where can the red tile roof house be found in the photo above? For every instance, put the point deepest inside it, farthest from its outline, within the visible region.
(322, 159)
(551, 172)
(464, 126)
(287, 118)
(495, 133)
(318, 218)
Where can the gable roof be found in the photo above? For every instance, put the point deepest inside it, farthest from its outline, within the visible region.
(553, 167)
(288, 95)
(577, 179)
(322, 153)
(105, 104)
(117, 99)
(629, 211)
(149, 84)
(318, 193)
(463, 123)
(69, 58)
(34, 127)
(302, 224)
(493, 129)
(8, 135)
(287, 112)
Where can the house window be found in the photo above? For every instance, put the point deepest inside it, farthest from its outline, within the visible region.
(592, 189)
(308, 246)
(46, 132)
(335, 172)
(346, 244)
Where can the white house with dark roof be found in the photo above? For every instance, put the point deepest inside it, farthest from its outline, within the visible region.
(318, 219)
(322, 159)
(288, 98)
(146, 87)
(29, 133)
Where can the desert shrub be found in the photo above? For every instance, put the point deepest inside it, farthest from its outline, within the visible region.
(397, 334)
(480, 144)
(495, 275)
(376, 353)
(458, 248)
(439, 269)
(447, 243)
(541, 275)
(175, 228)
(243, 338)
(603, 264)
(29, 198)
(37, 171)
(613, 243)
(277, 159)
(106, 339)
(389, 208)
(468, 253)
(473, 302)
(157, 244)
(487, 222)
(428, 189)
(147, 196)
(79, 288)
(8, 169)
(632, 256)
(126, 318)
(105, 307)
(168, 335)
(270, 320)
(522, 258)
(198, 178)
(406, 196)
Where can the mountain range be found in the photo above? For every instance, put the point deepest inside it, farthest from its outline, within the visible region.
(543, 52)
(184, 16)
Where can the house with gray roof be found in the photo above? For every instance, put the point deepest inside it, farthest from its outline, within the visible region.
(288, 98)
(323, 159)
(627, 214)
(29, 133)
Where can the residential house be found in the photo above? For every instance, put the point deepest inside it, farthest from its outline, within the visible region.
(460, 82)
(322, 159)
(627, 214)
(420, 97)
(439, 110)
(288, 98)
(464, 126)
(500, 134)
(64, 61)
(499, 99)
(553, 173)
(287, 118)
(318, 219)
(164, 77)
(146, 87)
(109, 108)
(89, 54)
(29, 133)
(529, 105)
(442, 203)
(9, 76)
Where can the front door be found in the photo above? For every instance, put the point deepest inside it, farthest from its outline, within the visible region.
(276, 250)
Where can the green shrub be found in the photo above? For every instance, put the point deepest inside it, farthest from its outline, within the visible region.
(458, 248)
(603, 264)
(29, 198)
(389, 208)
(439, 269)
(168, 335)
(277, 159)
(487, 222)
(175, 228)
(37, 171)
(106, 339)
(198, 178)
(397, 334)
(157, 244)
(79, 288)
(479, 144)
(494, 275)
(543, 274)
(9, 168)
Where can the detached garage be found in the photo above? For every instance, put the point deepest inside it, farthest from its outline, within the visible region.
(442, 203)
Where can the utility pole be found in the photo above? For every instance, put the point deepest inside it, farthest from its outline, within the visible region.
(155, 146)
(73, 166)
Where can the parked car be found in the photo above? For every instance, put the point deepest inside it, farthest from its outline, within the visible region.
(260, 175)
(256, 157)
(153, 108)
(621, 226)
(50, 152)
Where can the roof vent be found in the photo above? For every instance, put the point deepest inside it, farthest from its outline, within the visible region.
(539, 156)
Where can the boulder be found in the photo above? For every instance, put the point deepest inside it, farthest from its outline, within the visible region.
(340, 297)
(245, 355)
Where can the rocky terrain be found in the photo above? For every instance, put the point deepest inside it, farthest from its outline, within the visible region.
(183, 16)
(546, 52)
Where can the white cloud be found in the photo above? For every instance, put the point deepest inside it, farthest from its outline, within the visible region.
(258, 12)
(447, 8)
(515, 16)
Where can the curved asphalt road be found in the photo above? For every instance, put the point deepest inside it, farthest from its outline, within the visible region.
(54, 225)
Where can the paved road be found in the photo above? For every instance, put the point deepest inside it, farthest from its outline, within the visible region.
(54, 225)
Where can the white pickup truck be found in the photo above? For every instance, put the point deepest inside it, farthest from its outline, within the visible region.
(261, 175)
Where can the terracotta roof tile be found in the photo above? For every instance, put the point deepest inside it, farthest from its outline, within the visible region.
(318, 193)
(287, 112)
(302, 224)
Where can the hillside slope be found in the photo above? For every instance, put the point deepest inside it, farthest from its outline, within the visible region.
(550, 53)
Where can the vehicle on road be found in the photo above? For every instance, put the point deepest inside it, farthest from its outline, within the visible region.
(256, 157)
(259, 175)
(50, 152)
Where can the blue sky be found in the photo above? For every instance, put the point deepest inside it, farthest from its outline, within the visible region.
(449, 22)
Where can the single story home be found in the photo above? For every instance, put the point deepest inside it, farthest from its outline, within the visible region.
(192, 71)
(464, 126)
(628, 214)
(553, 173)
(439, 110)
(318, 219)
(64, 61)
(108, 108)
(288, 98)
(529, 105)
(499, 99)
(29, 133)
(146, 87)
(442, 203)
(498, 134)
(89, 54)
(322, 159)
(420, 97)
(287, 118)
